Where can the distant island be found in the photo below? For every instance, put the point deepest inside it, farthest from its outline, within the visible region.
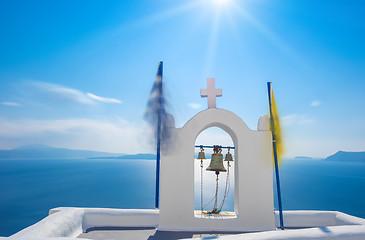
(145, 156)
(40, 151)
(302, 158)
(342, 156)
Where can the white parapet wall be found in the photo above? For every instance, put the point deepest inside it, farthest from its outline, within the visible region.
(68, 223)
(355, 232)
(71, 222)
(309, 219)
(64, 223)
(313, 225)
(120, 218)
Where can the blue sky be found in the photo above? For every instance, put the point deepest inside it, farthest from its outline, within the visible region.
(77, 74)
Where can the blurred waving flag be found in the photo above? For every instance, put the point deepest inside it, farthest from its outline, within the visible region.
(275, 128)
(156, 113)
(160, 121)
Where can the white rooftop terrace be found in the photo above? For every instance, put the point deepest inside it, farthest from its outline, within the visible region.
(98, 223)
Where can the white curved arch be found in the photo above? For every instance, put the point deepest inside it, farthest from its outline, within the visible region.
(213, 117)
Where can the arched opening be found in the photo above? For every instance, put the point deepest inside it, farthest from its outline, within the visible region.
(206, 196)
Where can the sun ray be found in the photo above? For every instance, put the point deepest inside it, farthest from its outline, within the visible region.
(269, 34)
(211, 49)
(168, 14)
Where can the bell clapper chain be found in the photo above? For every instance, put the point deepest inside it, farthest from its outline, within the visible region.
(228, 183)
(201, 181)
(201, 156)
(217, 153)
(215, 209)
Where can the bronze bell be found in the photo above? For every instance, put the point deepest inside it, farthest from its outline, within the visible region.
(201, 154)
(216, 163)
(228, 156)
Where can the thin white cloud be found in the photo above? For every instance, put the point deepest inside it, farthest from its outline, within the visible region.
(315, 103)
(295, 119)
(60, 93)
(103, 99)
(64, 94)
(11, 104)
(195, 105)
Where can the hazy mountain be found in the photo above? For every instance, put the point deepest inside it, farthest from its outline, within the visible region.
(38, 151)
(347, 157)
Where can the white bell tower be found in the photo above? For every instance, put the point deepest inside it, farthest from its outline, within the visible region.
(253, 177)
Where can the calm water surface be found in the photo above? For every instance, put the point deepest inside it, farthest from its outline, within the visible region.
(29, 188)
(323, 185)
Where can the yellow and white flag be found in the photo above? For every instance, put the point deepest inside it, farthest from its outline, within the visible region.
(276, 129)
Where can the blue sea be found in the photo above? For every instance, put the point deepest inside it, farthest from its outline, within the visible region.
(29, 188)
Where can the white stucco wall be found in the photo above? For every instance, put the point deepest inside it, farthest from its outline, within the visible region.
(253, 176)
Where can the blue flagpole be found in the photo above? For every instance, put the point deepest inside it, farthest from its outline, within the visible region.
(158, 162)
(275, 159)
(158, 155)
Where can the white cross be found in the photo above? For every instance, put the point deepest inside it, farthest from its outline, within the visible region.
(211, 93)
